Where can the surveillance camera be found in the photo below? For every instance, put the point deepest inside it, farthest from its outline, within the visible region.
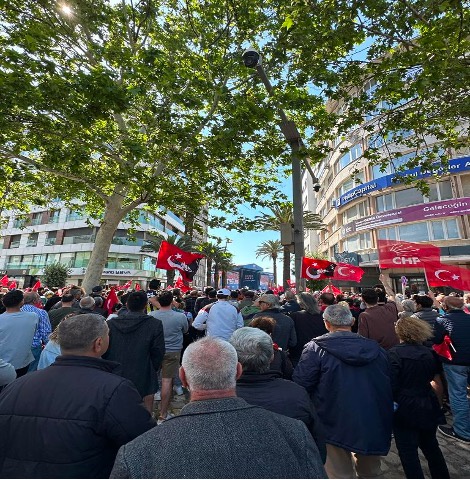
(316, 187)
(251, 58)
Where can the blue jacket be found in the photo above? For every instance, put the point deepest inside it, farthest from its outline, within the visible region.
(456, 323)
(348, 378)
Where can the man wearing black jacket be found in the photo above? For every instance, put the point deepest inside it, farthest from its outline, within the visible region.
(69, 420)
(258, 385)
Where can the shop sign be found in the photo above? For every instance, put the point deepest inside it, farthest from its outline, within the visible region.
(423, 211)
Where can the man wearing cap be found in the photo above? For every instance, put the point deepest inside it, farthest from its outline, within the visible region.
(284, 331)
(219, 319)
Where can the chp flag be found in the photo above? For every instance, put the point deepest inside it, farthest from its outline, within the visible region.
(442, 274)
(170, 257)
(317, 269)
(346, 271)
(397, 254)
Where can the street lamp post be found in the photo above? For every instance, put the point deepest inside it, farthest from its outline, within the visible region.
(252, 59)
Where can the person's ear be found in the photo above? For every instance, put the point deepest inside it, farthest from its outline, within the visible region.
(239, 370)
(98, 345)
(182, 374)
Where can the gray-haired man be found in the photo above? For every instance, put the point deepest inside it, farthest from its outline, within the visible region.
(217, 434)
(68, 420)
(347, 377)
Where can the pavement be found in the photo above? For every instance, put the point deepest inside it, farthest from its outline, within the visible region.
(457, 454)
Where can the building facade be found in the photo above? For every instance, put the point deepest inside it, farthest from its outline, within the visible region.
(360, 204)
(62, 235)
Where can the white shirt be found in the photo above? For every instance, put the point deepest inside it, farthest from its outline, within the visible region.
(221, 320)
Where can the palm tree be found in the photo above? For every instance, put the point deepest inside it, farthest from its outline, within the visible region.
(270, 249)
(153, 245)
(210, 250)
(282, 214)
(223, 262)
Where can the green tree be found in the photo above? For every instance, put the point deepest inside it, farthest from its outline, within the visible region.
(271, 249)
(222, 263)
(153, 245)
(281, 215)
(114, 106)
(55, 275)
(211, 252)
(412, 57)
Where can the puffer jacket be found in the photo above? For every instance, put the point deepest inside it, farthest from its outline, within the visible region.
(348, 379)
(68, 420)
(455, 323)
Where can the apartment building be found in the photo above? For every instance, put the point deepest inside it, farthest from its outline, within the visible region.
(60, 234)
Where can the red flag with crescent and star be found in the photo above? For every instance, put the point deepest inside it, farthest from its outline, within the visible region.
(170, 257)
(346, 271)
(398, 254)
(4, 281)
(442, 274)
(111, 300)
(316, 269)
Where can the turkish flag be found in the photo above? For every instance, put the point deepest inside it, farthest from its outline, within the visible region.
(441, 274)
(12, 285)
(346, 271)
(332, 289)
(398, 254)
(316, 269)
(170, 257)
(4, 281)
(36, 286)
(137, 287)
(180, 284)
(126, 285)
(110, 301)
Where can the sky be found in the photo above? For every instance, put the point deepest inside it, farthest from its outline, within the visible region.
(243, 245)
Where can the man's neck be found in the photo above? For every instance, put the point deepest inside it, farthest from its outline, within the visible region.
(368, 305)
(165, 309)
(198, 395)
(13, 309)
(339, 329)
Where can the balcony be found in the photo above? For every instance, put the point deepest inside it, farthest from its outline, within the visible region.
(32, 243)
(54, 219)
(78, 239)
(123, 265)
(19, 224)
(36, 221)
(15, 244)
(50, 241)
(138, 242)
(74, 216)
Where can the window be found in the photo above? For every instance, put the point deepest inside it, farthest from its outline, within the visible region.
(54, 216)
(32, 240)
(15, 241)
(67, 258)
(353, 154)
(358, 211)
(36, 218)
(422, 231)
(357, 242)
(82, 259)
(385, 202)
(351, 182)
(51, 238)
(465, 179)
(410, 196)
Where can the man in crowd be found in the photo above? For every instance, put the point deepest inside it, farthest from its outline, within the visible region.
(378, 320)
(137, 343)
(247, 307)
(219, 319)
(87, 305)
(204, 300)
(57, 314)
(456, 324)
(217, 434)
(175, 324)
(348, 379)
(284, 332)
(41, 335)
(17, 330)
(325, 300)
(291, 304)
(68, 420)
(258, 385)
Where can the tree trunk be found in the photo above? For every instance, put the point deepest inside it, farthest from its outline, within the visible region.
(224, 278)
(170, 277)
(208, 272)
(216, 276)
(286, 267)
(113, 214)
(275, 271)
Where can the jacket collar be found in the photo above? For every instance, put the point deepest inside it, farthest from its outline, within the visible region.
(249, 378)
(215, 405)
(83, 361)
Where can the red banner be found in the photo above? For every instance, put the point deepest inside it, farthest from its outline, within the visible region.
(316, 269)
(346, 271)
(4, 281)
(442, 274)
(331, 289)
(110, 301)
(170, 257)
(398, 254)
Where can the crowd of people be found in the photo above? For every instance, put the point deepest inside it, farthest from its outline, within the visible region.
(307, 385)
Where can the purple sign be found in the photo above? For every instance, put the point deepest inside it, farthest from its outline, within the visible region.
(424, 211)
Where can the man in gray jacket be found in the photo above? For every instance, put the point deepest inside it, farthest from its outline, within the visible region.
(217, 434)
